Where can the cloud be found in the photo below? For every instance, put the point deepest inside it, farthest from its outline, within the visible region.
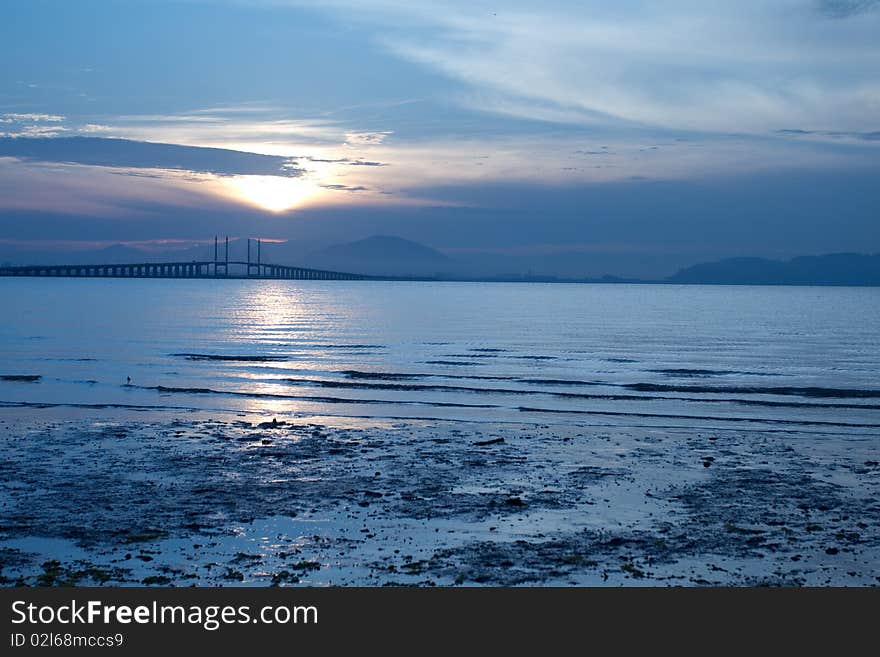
(91, 128)
(69, 188)
(346, 188)
(123, 153)
(846, 8)
(746, 67)
(346, 161)
(30, 118)
(35, 131)
(255, 125)
(835, 135)
(366, 138)
(32, 125)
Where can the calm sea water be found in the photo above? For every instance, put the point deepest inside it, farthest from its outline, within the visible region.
(783, 358)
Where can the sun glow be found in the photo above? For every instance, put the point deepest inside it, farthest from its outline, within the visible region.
(273, 193)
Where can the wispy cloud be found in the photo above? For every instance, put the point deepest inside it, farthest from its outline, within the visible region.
(345, 188)
(845, 8)
(832, 135)
(751, 66)
(34, 131)
(31, 125)
(229, 127)
(93, 128)
(366, 138)
(30, 118)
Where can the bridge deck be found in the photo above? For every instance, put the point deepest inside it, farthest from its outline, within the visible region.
(205, 269)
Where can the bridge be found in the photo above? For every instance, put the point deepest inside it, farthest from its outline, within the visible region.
(194, 269)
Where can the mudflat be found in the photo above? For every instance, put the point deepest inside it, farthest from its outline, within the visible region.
(121, 497)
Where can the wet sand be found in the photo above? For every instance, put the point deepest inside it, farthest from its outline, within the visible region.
(118, 497)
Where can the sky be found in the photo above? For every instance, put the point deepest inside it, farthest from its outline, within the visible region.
(644, 135)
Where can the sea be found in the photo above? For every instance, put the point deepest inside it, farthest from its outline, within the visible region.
(804, 359)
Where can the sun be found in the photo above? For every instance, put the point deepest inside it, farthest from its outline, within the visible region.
(272, 193)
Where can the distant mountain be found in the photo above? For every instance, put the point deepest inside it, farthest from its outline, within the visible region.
(832, 269)
(395, 256)
(382, 255)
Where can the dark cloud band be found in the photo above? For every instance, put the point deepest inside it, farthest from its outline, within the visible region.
(124, 153)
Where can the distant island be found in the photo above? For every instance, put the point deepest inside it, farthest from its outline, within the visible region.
(833, 269)
(394, 256)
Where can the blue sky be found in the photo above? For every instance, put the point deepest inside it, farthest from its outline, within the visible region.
(684, 130)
